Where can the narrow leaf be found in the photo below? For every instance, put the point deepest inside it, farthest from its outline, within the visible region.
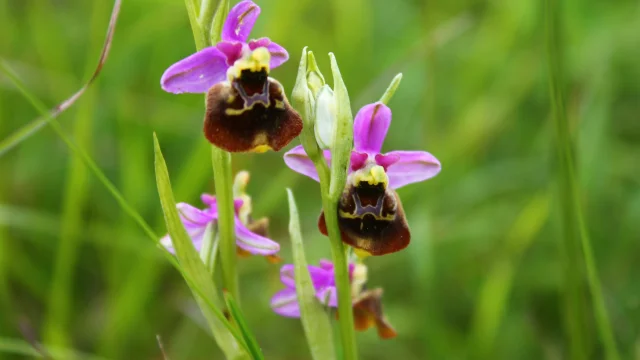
(250, 340)
(193, 266)
(388, 94)
(343, 136)
(315, 320)
(218, 21)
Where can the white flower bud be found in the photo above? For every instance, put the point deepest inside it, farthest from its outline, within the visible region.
(325, 117)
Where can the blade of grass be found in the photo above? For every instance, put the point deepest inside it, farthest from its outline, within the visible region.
(192, 264)
(56, 331)
(26, 131)
(249, 338)
(315, 320)
(494, 293)
(117, 195)
(21, 347)
(574, 225)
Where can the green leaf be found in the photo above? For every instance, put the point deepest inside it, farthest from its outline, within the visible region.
(193, 266)
(315, 320)
(250, 340)
(218, 21)
(388, 94)
(343, 141)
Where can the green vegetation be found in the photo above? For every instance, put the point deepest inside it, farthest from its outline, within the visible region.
(496, 268)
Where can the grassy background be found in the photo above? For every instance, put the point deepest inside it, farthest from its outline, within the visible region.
(484, 275)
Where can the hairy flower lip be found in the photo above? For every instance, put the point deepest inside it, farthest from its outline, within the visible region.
(370, 217)
(203, 69)
(250, 117)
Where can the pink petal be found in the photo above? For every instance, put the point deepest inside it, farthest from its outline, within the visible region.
(386, 160)
(412, 166)
(319, 277)
(195, 222)
(328, 296)
(326, 264)
(209, 200)
(193, 216)
(232, 50)
(240, 21)
(298, 161)
(279, 54)
(285, 303)
(358, 160)
(254, 243)
(195, 73)
(370, 127)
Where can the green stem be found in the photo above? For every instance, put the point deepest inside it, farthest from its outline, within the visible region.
(573, 219)
(192, 10)
(223, 180)
(338, 254)
(347, 328)
(221, 159)
(205, 19)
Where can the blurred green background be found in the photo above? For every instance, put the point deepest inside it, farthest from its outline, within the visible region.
(483, 276)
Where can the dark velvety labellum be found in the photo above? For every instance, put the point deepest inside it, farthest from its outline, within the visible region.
(250, 114)
(371, 218)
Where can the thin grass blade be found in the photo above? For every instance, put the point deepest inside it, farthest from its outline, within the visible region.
(31, 128)
(249, 338)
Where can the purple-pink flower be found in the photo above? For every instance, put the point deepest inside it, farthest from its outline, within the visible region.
(370, 213)
(196, 220)
(367, 304)
(369, 131)
(199, 72)
(285, 302)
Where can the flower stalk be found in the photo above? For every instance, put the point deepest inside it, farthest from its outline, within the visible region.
(331, 186)
(204, 30)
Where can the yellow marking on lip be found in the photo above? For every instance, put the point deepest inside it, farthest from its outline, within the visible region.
(362, 254)
(376, 175)
(255, 61)
(261, 149)
(346, 215)
(260, 141)
(233, 112)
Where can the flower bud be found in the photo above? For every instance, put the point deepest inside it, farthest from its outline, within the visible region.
(325, 117)
(303, 100)
(315, 80)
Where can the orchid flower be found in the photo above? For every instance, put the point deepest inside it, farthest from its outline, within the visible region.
(367, 306)
(246, 110)
(370, 213)
(197, 73)
(196, 221)
(370, 128)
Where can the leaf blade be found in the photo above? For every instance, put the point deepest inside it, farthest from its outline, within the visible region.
(315, 321)
(193, 266)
